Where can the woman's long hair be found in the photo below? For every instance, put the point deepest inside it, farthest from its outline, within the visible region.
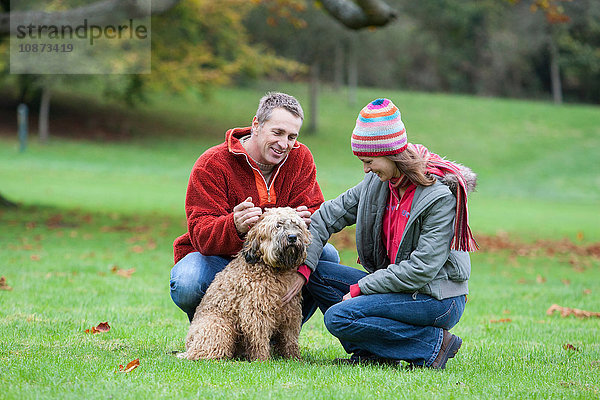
(419, 166)
(414, 167)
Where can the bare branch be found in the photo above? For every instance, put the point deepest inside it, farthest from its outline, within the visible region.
(355, 15)
(100, 13)
(360, 14)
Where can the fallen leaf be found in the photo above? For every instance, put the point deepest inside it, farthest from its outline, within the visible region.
(3, 285)
(133, 239)
(506, 312)
(102, 327)
(540, 279)
(130, 367)
(566, 311)
(501, 320)
(125, 273)
(55, 221)
(587, 291)
(570, 347)
(502, 241)
(137, 249)
(35, 257)
(566, 282)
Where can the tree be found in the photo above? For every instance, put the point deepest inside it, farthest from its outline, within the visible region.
(197, 43)
(354, 15)
(555, 15)
(197, 59)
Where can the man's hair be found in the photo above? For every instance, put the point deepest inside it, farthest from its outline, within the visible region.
(273, 100)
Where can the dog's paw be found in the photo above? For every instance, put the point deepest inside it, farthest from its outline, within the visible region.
(183, 355)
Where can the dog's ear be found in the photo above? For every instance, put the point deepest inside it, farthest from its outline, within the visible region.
(250, 251)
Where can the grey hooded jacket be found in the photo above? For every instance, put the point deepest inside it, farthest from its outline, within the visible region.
(424, 261)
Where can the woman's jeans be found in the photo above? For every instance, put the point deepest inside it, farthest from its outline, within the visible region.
(192, 275)
(399, 326)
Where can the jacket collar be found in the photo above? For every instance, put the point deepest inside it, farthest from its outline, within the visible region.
(233, 136)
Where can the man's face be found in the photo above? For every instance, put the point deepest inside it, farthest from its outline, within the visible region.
(276, 137)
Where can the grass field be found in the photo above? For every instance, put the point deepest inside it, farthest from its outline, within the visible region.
(91, 242)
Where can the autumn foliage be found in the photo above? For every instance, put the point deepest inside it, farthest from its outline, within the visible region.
(3, 284)
(102, 327)
(566, 311)
(130, 366)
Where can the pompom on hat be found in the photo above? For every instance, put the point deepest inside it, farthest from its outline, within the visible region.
(379, 130)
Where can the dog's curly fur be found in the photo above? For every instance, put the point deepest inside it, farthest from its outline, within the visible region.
(241, 314)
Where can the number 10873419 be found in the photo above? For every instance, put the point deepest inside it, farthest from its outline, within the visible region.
(45, 48)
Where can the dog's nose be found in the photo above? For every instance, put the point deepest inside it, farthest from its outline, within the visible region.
(292, 238)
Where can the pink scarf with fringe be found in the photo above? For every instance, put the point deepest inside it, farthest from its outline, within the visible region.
(463, 239)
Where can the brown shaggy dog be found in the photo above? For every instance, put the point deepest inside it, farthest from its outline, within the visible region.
(241, 314)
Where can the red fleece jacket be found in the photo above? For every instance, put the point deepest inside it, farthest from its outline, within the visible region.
(223, 177)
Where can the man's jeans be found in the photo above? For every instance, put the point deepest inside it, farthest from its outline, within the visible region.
(192, 275)
(399, 326)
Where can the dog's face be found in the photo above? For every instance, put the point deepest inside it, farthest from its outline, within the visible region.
(279, 239)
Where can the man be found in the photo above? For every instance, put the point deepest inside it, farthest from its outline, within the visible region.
(258, 167)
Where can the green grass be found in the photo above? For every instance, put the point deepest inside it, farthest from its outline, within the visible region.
(89, 206)
(59, 266)
(537, 163)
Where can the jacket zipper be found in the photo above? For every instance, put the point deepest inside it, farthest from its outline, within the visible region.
(261, 175)
(411, 221)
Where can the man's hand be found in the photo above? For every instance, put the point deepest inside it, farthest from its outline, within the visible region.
(295, 288)
(347, 296)
(304, 214)
(245, 215)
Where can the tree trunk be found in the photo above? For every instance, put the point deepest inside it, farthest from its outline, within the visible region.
(556, 83)
(338, 70)
(44, 114)
(314, 97)
(352, 74)
(4, 202)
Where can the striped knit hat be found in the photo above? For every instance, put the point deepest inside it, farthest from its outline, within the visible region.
(379, 130)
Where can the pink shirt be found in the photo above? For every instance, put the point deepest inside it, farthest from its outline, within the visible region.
(395, 218)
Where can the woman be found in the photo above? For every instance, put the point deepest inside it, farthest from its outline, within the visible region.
(404, 211)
